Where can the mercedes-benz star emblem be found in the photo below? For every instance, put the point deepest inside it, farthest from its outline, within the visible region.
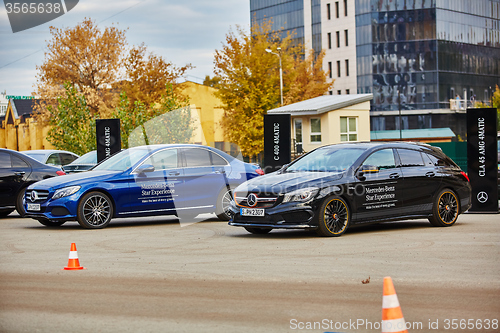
(482, 197)
(251, 200)
(33, 196)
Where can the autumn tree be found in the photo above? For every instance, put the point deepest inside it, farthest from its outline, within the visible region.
(249, 81)
(147, 75)
(168, 121)
(88, 58)
(73, 125)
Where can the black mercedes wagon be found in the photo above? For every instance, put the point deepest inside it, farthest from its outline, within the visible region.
(335, 186)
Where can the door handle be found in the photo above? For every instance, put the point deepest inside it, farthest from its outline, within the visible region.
(174, 173)
(220, 171)
(430, 174)
(394, 175)
(19, 173)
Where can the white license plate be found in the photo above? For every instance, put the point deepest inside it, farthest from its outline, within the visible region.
(251, 211)
(34, 207)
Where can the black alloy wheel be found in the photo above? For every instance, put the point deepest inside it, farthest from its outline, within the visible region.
(445, 209)
(333, 217)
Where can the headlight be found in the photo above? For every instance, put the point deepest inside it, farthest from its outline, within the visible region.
(65, 191)
(301, 195)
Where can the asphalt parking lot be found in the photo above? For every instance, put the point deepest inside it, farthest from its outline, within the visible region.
(159, 275)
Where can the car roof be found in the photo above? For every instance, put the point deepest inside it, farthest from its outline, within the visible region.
(47, 151)
(370, 144)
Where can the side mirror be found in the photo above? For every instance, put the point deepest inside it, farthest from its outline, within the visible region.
(366, 169)
(145, 168)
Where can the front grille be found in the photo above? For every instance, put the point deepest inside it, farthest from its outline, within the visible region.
(262, 200)
(36, 195)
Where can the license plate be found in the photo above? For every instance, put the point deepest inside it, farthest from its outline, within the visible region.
(251, 211)
(34, 207)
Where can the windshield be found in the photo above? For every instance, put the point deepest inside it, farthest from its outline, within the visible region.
(123, 160)
(328, 159)
(88, 158)
(40, 157)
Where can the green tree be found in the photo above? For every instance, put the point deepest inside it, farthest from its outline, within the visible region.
(166, 122)
(72, 123)
(249, 82)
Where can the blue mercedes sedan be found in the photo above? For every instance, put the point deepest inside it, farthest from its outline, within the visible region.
(181, 180)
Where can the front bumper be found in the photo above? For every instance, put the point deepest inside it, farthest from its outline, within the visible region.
(284, 216)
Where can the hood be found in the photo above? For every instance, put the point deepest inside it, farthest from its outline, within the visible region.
(74, 179)
(285, 182)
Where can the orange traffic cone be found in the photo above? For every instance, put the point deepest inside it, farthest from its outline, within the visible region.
(392, 316)
(73, 262)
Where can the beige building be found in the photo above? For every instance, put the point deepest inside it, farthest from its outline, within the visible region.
(328, 119)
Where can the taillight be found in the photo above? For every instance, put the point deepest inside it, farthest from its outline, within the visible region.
(60, 173)
(260, 171)
(465, 176)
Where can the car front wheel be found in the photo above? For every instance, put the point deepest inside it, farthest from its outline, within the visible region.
(95, 210)
(445, 209)
(333, 217)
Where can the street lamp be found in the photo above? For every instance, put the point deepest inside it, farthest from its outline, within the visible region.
(281, 71)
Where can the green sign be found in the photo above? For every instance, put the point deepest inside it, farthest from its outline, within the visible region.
(19, 97)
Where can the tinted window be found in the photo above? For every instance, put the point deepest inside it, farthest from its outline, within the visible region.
(410, 158)
(217, 160)
(67, 158)
(432, 160)
(197, 157)
(5, 160)
(18, 163)
(165, 159)
(53, 159)
(384, 159)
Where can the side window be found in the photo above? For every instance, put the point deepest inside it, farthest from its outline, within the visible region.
(196, 157)
(431, 160)
(67, 158)
(384, 159)
(53, 159)
(18, 163)
(5, 162)
(217, 160)
(410, 158)
(165, 159)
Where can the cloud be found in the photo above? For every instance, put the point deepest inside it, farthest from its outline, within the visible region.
(180, 31)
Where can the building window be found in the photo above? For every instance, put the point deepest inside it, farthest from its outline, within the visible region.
(329, 40)
(345, 7)
(330, 69)
(347, 67)
(346, 33)
(330, 92)
(328, 14)
(348, 129)
(339, 92)
(337, 9)
(297, 127)
(347, 91)
(338, 38)
(338, 68)
(315, 130)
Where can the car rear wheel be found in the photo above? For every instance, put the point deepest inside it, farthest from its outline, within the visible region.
(95, 210)
(224, 199)
(333, 217)
(20, 202)
(258, 231)
(48, 223)
(445, 209)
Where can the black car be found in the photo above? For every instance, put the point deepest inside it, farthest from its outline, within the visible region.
(17, 172)
(336, 186)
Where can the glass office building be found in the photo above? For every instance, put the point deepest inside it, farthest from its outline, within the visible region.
(420, 54)
(412, 55)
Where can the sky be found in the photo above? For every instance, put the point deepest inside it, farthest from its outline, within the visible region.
(182, 32)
